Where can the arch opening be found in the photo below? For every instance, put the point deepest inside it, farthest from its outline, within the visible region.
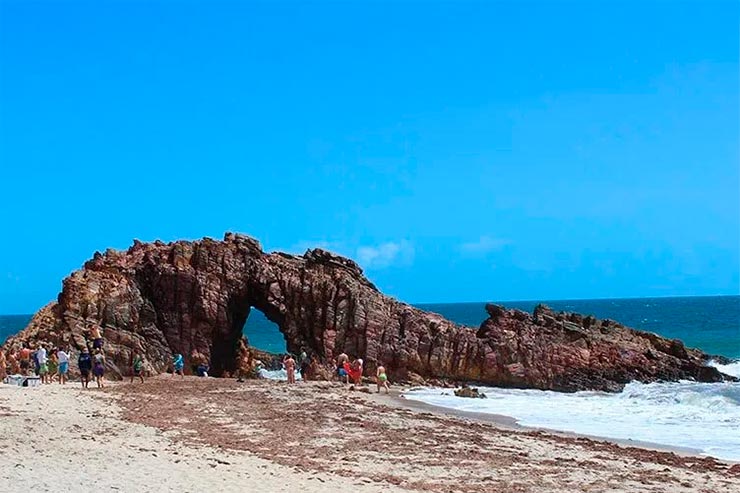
(254, 321)
(246, 325)
(264, 334)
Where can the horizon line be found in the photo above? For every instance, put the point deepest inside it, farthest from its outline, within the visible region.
(539, 300)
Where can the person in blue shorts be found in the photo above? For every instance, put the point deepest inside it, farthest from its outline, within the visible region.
(341, 371)
(63, 369)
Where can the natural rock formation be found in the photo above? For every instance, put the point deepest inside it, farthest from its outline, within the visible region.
(193, 298)
(469, 392)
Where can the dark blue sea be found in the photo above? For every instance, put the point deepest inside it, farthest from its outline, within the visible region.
(709, 323)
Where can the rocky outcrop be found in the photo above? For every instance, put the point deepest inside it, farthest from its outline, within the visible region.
(469, 392)
(193, 298)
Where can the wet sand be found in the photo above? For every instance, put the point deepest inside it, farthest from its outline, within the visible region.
(199, 434)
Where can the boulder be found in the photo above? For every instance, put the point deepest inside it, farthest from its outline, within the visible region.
(470, 392)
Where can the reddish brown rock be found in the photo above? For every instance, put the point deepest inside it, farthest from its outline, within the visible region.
(194, 297)
(469, 392)
(318, 371)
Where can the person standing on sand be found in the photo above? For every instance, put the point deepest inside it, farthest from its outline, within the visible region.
(179, 364)
(42, 363)
(84, 363)
(381, 378)
(341, 369)
(3, 364)
(53, 366)
(289, 364)
(354, 371)
(35, 360)
(25, 358)
(63, 358)
(357, 371)
(347, 371)
(303, 362)
(13, 364)
(99, 367)
(137, 366)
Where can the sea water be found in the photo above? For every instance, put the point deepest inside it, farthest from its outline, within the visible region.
(704, 417)
(277, 374)
(711, 323)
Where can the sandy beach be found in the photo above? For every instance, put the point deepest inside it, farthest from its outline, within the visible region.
(196, 434)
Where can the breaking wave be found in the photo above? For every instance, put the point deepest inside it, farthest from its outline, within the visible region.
(704, 417)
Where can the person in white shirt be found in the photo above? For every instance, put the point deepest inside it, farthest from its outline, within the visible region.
(63, 365)
(42, 361)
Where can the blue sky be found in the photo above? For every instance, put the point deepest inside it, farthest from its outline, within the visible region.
(459, 151)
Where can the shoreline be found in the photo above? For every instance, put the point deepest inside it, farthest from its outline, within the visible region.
(510, 422)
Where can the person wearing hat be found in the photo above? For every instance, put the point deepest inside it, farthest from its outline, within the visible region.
(84, 363)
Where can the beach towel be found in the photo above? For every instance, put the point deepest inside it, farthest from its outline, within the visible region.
(354, 373)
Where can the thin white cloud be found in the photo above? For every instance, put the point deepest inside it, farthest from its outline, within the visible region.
(484, 245)
(300, 247)
(368, 256)
(385, 254)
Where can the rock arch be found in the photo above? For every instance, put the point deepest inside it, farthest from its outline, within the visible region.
(194, 297)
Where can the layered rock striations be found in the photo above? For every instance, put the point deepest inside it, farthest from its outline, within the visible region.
(193, 298)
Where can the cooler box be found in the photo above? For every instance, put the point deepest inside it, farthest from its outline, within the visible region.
(14, 380)
(22, 381)
(31, 382)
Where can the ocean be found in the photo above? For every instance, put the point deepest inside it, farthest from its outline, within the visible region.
(702, 417)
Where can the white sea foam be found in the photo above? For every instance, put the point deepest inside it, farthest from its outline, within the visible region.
(732, 369)
(701, 416)
(278, 374)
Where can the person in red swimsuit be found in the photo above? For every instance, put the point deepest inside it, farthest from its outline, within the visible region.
(354, 371)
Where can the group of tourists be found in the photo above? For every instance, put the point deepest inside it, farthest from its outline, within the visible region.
(352, 371)
(52, 364)
(48, 363)
(92, 364)
(346, 371)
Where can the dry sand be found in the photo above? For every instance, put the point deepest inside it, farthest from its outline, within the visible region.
(64, 440)
(219, 435)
